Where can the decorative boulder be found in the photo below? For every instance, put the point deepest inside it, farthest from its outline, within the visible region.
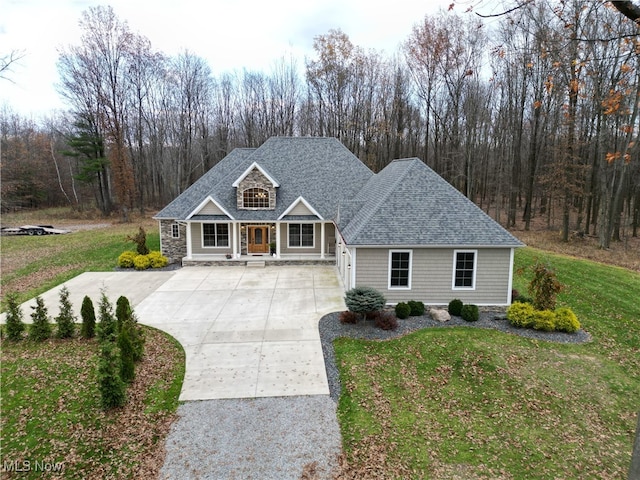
(440, 315)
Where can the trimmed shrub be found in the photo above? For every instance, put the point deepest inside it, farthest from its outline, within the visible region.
(348, 317)
(158, 260)
(566, 320)
(521, 314)
(455, 307)
(417, 308)
(125, 260)
(470, 312)
(15, 324)
(364, 300)
(40, 329)
(65, 319)
(112, 388)
(403, 310)
(385, 320)
(88, 314)
(544, 320)
(141, 262)
(107, 328)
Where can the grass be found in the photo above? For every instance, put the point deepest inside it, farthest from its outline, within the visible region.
(51, 409)
(470, 403)
(33, 265)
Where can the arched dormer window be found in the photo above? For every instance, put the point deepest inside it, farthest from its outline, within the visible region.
(255, 198)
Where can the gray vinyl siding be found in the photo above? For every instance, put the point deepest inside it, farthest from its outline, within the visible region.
(196, 242)
(329, 233)
(432, 275)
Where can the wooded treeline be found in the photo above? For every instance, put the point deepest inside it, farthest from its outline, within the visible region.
(535, 117)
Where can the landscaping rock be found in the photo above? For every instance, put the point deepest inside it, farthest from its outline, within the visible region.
(440, 315)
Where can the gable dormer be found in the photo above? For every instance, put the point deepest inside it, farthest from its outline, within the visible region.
(256, 189)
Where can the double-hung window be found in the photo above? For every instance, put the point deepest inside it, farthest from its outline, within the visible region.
(175, 230)
(400, 269)
(464, 269)
(301, 235)
(215, 235)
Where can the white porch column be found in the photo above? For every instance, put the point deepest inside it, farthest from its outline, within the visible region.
(322, 240)
(278, 225)
(188, 240)
(235, 239)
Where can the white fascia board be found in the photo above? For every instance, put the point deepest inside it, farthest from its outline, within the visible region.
(204, 202)
(295, 203)
(248, 170)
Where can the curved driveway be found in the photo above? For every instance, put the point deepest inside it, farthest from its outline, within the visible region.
(247, 331)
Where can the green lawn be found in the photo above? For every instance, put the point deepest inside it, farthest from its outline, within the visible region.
(51, 409)
(33, 265)
(471, 403)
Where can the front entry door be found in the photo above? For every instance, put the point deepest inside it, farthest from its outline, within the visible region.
(258, 240)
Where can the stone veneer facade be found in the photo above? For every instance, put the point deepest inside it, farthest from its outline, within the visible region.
(256, 179)
(175, 249)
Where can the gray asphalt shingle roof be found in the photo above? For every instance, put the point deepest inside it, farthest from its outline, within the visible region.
(407, 203)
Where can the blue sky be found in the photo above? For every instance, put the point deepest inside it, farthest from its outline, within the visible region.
(229, 34)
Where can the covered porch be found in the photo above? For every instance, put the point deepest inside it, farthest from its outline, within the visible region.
(293, 241)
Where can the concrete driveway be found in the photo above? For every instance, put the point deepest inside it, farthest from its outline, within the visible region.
(247, 331)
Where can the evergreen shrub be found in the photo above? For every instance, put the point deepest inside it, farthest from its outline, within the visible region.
(88, 314)
(364, 300)
(417, 308)
(521, 315)
(40, 328)
(566, 320)
(544, 320)
(15, 325)
(455, 307)
(66, 320)
(112, 388)
(470, 312)
(403, 310)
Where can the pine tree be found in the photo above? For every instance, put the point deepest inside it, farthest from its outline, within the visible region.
(65, 319)
(40, 327)
(88, 314)
(15, 324)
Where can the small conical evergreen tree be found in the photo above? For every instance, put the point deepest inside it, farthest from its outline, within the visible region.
(123, 311)
(15, 324)
(107, 326)
(88, 314)
(40, 329)
(127, 367)
(65, 319)
(112, 388)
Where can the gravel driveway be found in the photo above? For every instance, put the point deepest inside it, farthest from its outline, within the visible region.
(275, 438)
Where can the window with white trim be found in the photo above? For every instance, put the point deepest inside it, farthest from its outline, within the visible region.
(400, 269)
(301, 235)
(215, 235)
(464, 269)
(175, 230)
(255, 198)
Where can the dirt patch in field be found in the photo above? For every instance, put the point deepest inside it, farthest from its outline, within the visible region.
(34, 280)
